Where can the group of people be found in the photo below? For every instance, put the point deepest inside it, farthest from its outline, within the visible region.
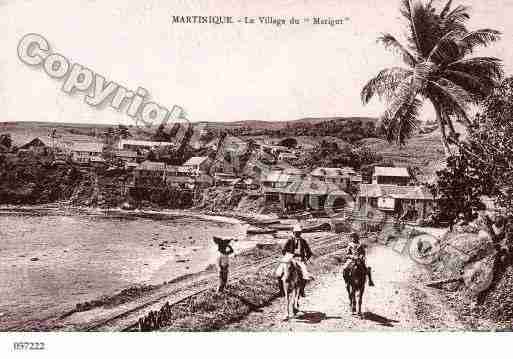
(296, 251)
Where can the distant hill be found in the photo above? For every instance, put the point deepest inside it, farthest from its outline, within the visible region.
(280, 125)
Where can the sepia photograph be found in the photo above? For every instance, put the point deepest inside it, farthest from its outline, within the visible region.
(248, 167)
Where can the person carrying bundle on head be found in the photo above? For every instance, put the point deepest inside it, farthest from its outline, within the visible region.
(224, 249)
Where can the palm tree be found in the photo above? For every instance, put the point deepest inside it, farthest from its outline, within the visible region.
(438, 69)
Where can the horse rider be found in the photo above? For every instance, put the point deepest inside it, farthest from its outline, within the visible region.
(356, 251)
(297, 252)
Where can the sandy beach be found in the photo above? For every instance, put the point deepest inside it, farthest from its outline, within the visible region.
(53, 258)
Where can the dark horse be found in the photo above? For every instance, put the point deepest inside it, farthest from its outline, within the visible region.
(355, 276)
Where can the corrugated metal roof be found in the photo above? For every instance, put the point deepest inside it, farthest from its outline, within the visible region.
(332, 172)
(399, 192)
(311, 187)
(125, 153)
(38, 141)
(391, 171)
(151, 166)
(87, 147)
(195, 161)
(144, 143)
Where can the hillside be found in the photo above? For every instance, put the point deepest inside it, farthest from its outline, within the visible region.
(422, 151)
(280, 125)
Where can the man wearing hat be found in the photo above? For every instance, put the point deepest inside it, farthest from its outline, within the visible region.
(356, 251)
(296, 250)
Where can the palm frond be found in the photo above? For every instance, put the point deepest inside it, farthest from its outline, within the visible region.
(424, 26)
(478, 86)
(446, 50)
(454, 20)
(408, 89)
(482, 37)
(453, 98)
(459, 14)
(391, 43)
(384, 83)
(487, 67)
(404, 93)
(401, 126)
(446, 9)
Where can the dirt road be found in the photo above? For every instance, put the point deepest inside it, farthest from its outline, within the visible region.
(399, 301)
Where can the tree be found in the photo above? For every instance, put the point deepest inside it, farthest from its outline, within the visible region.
(458, 190)
(6, 140)
(489, 147)
(123, 132)
(289, 142)
(438, 69)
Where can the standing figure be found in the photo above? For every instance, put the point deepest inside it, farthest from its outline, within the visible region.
(224, 249)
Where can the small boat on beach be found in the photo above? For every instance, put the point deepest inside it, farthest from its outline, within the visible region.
(262, 222)
(306, 228)
(317, 228)
(281, 227)
(253, 230)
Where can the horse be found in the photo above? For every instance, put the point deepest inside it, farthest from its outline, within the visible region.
(293, 285)
(355, 276)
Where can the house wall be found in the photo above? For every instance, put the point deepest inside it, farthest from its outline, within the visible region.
(399, 181)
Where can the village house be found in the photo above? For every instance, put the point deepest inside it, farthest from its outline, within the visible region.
(126, 155)
(287, 157)
(397, 200)
(180, 177)
(246, 184)
(304, 195)
(197, 165)
(282, 177)
(274, 150)
(158, 174)
(139, 145)
(87, 152)
(149, 174)
(37, 145)
(225, 179)
(333, 175)
(391, 175)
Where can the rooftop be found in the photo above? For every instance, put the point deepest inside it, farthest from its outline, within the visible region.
(391, 171)
(38, 141)
(333, 172)
(151, 166)
(125, 153)
(144, 143)
(87, 147)
(311, 187)
(195, 161)
(399, 192)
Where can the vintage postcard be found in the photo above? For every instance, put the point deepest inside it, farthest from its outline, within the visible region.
(255, 166)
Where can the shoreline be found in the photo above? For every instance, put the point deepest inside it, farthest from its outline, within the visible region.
(221, 217)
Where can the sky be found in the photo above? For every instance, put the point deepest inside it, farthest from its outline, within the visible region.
(228, 72)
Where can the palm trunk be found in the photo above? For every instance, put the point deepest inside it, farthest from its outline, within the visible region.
(441, 124)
